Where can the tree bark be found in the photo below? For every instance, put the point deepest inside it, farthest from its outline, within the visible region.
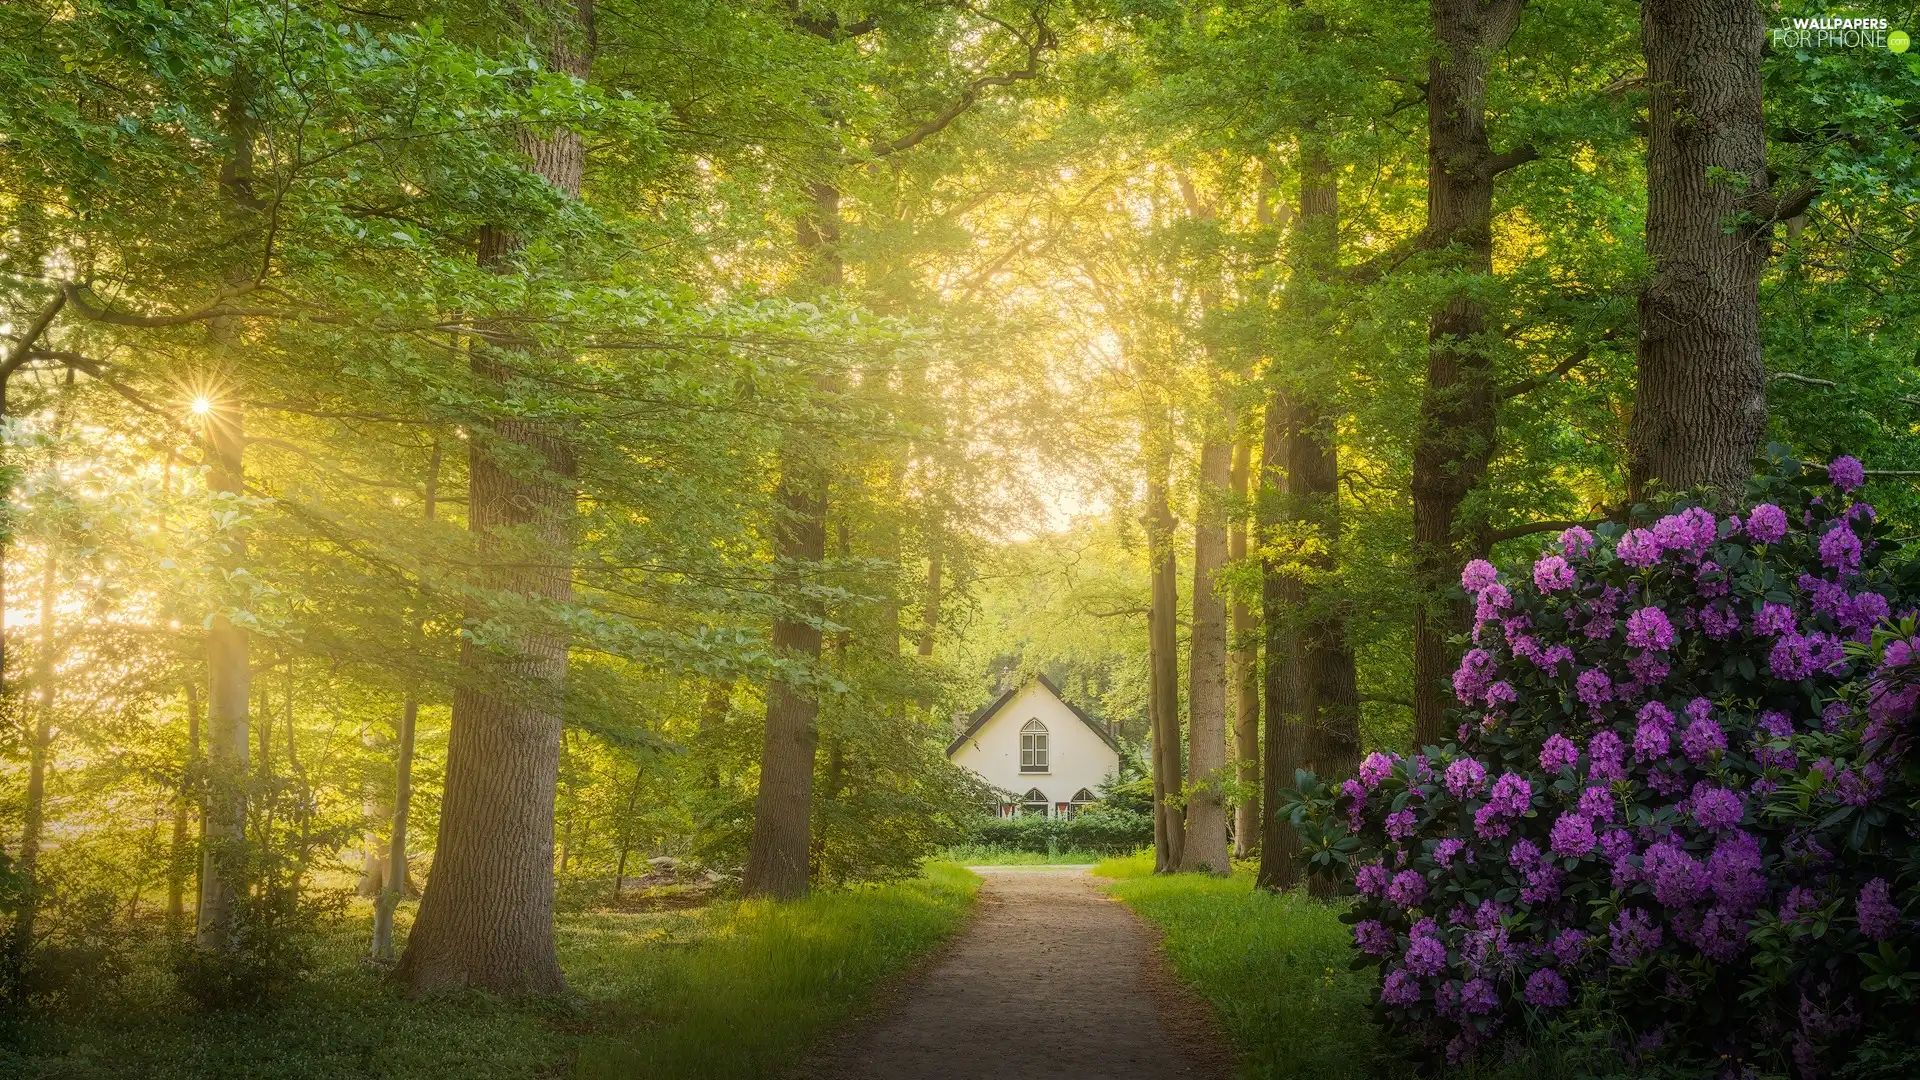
(1700, 404)
(778, 855)
(1205, 848)
(1286, 728)
(177, 870)
(40, 742)
(395, 884)
(930, 621)
(1454, 438)
(1163, 659)
(223, 859)
(1246, 677)
(486, 917)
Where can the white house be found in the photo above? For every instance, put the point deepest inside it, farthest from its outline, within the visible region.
(1045, 754)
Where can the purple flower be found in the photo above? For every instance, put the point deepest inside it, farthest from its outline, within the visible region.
(1719, 623)
(1551, 574)
(1501, 694)
(1691, 531)
(1477, 575)
(1594, 687)
(1374, 768)
(1799, 903)
(1407, 889)
(1846, 473)
(1400, 988)
(1465, 778)
(1634, 935)
(1878, 916)
(1559, 753)
(1638, 548)
(1702, 740)
(1573, 836)
(1426, 956)
(1647, 669)
(1776, 724)
(1678, 878)
(1546, 989)
(1791, 658)
(1773, 620)
(1372, 937)
(1767, 524)
(1716, 808)
(1840, 549)
(1371, 880)
(1524, 854)
(1827, 597)
(1400, 824)
(1735, 872)
(1597, 803)
(1478, 997)
(1445, 850)
(1475, 672)
(1649, 628)
(1576, 542)
(1862, 612)
(1511, 793)
(1487, 824)
(1650, 742)
(1604, 757)
(1570, 946)
(1717, 932)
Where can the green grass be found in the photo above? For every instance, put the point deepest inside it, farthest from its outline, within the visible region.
(730, 991)
(997, 855)
(1273, 965)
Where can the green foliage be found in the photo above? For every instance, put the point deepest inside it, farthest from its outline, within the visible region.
(1108, 830)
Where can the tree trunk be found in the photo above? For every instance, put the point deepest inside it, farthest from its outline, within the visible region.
(223, 859)
(1453, 440)
(1163, 659)
(177, 869)
(1246, 677)
(930, 622)
(1700, 404)
(33, 813)
(1287, 731)
(626, 833)
(397, 880)
(1206, 840)
(777, 856)
(486, 917)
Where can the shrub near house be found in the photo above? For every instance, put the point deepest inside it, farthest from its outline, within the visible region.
(1682, 809)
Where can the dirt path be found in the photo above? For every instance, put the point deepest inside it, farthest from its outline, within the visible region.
(1051, 981)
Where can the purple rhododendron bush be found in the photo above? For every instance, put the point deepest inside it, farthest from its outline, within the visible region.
(1680, 818)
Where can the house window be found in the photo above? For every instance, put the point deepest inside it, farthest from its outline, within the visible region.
(1033, 747)
(1034, 802)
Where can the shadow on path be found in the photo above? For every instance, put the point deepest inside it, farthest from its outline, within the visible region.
(1051, 981)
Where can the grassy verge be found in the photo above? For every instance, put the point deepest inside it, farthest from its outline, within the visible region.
(997, 855)
(725, 992)
(1274, 967)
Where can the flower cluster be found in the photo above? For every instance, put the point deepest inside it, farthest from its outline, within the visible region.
(1675, 744)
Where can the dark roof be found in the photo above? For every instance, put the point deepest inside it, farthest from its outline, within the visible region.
(980, 718)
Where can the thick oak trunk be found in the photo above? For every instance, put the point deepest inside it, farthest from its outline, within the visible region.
(1246, 677)
(1287, 734)
(1205, 847)
(778, 854)
(486, 917)
(1700, 406)
(1454, 438)
(1163, 660)
(223, 859)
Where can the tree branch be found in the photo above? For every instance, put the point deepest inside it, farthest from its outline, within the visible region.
(1041, 41)
(1512, 159)
(23, 345)
(1559, 371)
(1514, 532)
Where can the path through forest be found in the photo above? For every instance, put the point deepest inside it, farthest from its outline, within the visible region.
(1052, 980)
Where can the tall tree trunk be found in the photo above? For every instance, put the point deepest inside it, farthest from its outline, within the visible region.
(40, 743)
(930, 609)
(486, 917)
(395, 884)
(1246, 677)
(1206, 841)
(177, 867)
(777, 856)
(626, 833)
(1453, 440)
(1163, 660)
(1700, 405)
(1287, 731)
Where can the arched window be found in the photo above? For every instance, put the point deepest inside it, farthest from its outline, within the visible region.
(1033, 747)
(1034, 801)
(1084, 796)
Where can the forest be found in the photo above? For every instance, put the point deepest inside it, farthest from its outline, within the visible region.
(507, 504)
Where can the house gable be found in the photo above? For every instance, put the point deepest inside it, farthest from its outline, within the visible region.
(1032, 740)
